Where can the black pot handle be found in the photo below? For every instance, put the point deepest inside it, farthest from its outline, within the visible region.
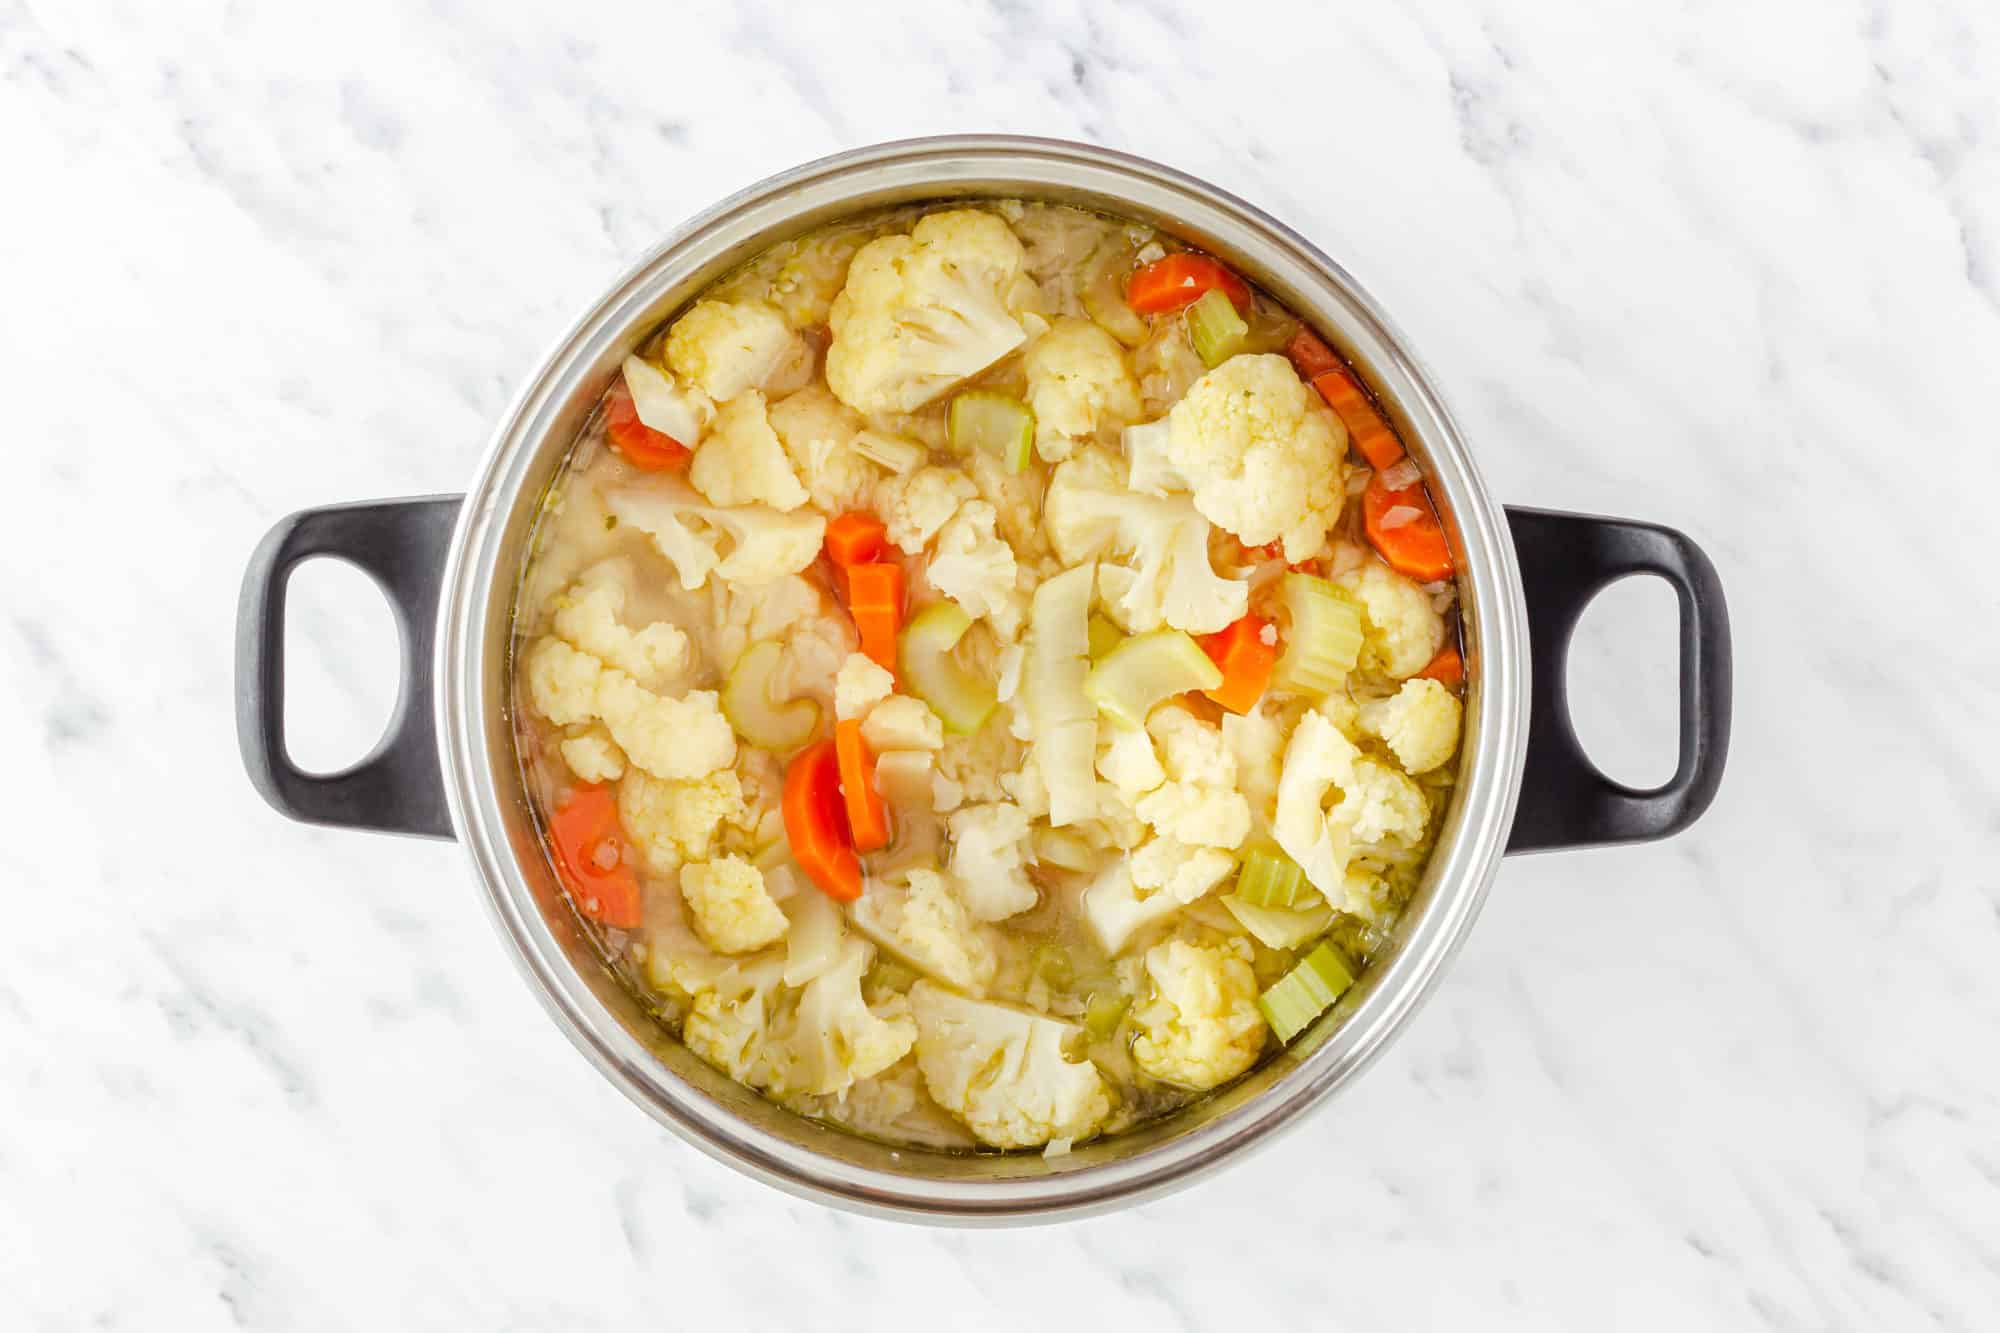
(1566, 560)
(401, 544)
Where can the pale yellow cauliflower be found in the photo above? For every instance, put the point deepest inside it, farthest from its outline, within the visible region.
(902, 723)
(924, 311)
(1333, 800)
(743, 544)
(859, 685)
(1199, 803)
(914, 506)
(1260, 455)
(836, 1038)
(1078, 386)
(819, 431)
(1005, 1072)
(726, 347)
(989, 847)
(1401, 630)
(919, 917)
(1181, 870)
(1419, 724)
(731, 908)
(674, 822)
(590, 614)
(742, 463)
(593, 756)
(668, 737)
(976, 569)
(1198, 1023)
(1126, 759)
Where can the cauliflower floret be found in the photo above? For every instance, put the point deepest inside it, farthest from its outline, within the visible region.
(681, 412)
(1127, 761)
(1419, 724)
(1375, 803)
(741, 461)
(1199, 803)
(835, 1038)
(668, 737)
(921, 312)
(914, 506)
(976, 569)
(1090, 512)
(818, 432)
(1003, 1071)
(1262, 458)
(902, 723)
(589, 616)
(731, 909)
(1191, 749)
(764, 544)
(1402, 632)
(1180, 870)
(1258, 744)
(859, 685)
(1118, 910)
(812, 273)
(730, 1022)
(678, 963)
(989, 847)
(727, 347)
(594, 756)
(1078, 386)
(1198, 1024)
(672, 823)
(923, 921)
(974, 763)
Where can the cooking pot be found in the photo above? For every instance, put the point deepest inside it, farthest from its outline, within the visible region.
(450, 566)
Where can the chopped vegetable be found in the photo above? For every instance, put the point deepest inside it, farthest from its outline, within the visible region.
(1447, 668)
(1215, 329)
(854, 539)
(1246, 652)
(816, 823)
(995, 424)
(1063, 849)
(1323, 640)
(894, 452)
(679, 411)
(1310, 356)
(1269, 878)
(1279, 927)
(1404, 527)
(875, 600)
(1101, 1014)
(1105, 304)
(1058, 663)
(1104, 636)
(1139, 673)
(957, 696)
(755, 712)
(867, 817)
(642, 446)
(591, 857)
(1366, 430)
(1305, 992)
(1178, 280)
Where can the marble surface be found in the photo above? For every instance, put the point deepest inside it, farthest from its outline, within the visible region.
(1731, 268)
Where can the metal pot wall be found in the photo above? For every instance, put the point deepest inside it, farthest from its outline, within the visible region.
(451, 564)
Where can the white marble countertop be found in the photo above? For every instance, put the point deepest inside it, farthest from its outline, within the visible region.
(1735, 273)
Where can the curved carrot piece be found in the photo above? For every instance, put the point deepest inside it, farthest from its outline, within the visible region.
(643, 447)
(1447, 668)
(1310, 356)
(867, 816)
(1179, 280)
(1369, 433)
(875, 600)
(1246, 662)
(816, 823)
(1417, 548)
(591, 857)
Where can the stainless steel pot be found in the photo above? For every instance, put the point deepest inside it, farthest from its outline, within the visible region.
(450, 566)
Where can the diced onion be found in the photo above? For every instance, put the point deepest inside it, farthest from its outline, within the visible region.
(1399, 516)
(1402, 475)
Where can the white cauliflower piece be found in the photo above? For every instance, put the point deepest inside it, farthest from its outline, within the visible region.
(914, 506)
(974, 763)
(675, 822)
(860, 684)
(668, 737)
(1148, 461)
(1333, 800)
(904, 777)
(1127, 761)
(678, 962)
(590, 615)
(988, 859)
(818, 431)
(681, 412)
(1260, 453)
(730, 1024)
(1199, 803)
(1401, 630)
(902, 723)
(1090, 513)
(727, 347)
(1117, 910)
(1419, 724)
(742, 463)
(731, 909)
(1258, 744)
(1004, 1071)
(920, 918)
(817, 938)
(1078, 386)
(924, 311)
(763, 544)
(975, 568)
(594, 756)
(1198, 1023)
(1180, 870)
(835, 1038)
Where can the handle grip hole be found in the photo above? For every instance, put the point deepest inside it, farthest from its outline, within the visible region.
(1624, 681)
(342, 657)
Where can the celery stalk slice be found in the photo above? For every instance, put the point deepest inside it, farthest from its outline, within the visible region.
(995, 424)
(1269, 878)
(923, 651)
(1102, 1012)
(1135, 676)
(1323, 640)
(1305, 992)
(1215, 329)
(1279, 927)
(756, 715)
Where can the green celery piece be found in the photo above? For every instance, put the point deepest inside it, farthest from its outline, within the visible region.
(923, 651)
(1305, 992)
(1269, 878)
(1280, 927)
(1101, 1014)
(1135, 676)
(1323, 639)
(756, 716)
(1215, 329)
(993, 423)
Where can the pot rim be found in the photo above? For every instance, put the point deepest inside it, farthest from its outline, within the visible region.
(1462, 865)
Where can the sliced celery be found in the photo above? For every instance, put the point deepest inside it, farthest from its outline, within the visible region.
(1104, 636)
(890, 451)
(1279, 927)
(757, 716)
(1323, 640)
(995, 424)
(1215, 329)
(1269, 878)
(1101, 1014)
(1136, 675)
(1305, 992)
(923, 650)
